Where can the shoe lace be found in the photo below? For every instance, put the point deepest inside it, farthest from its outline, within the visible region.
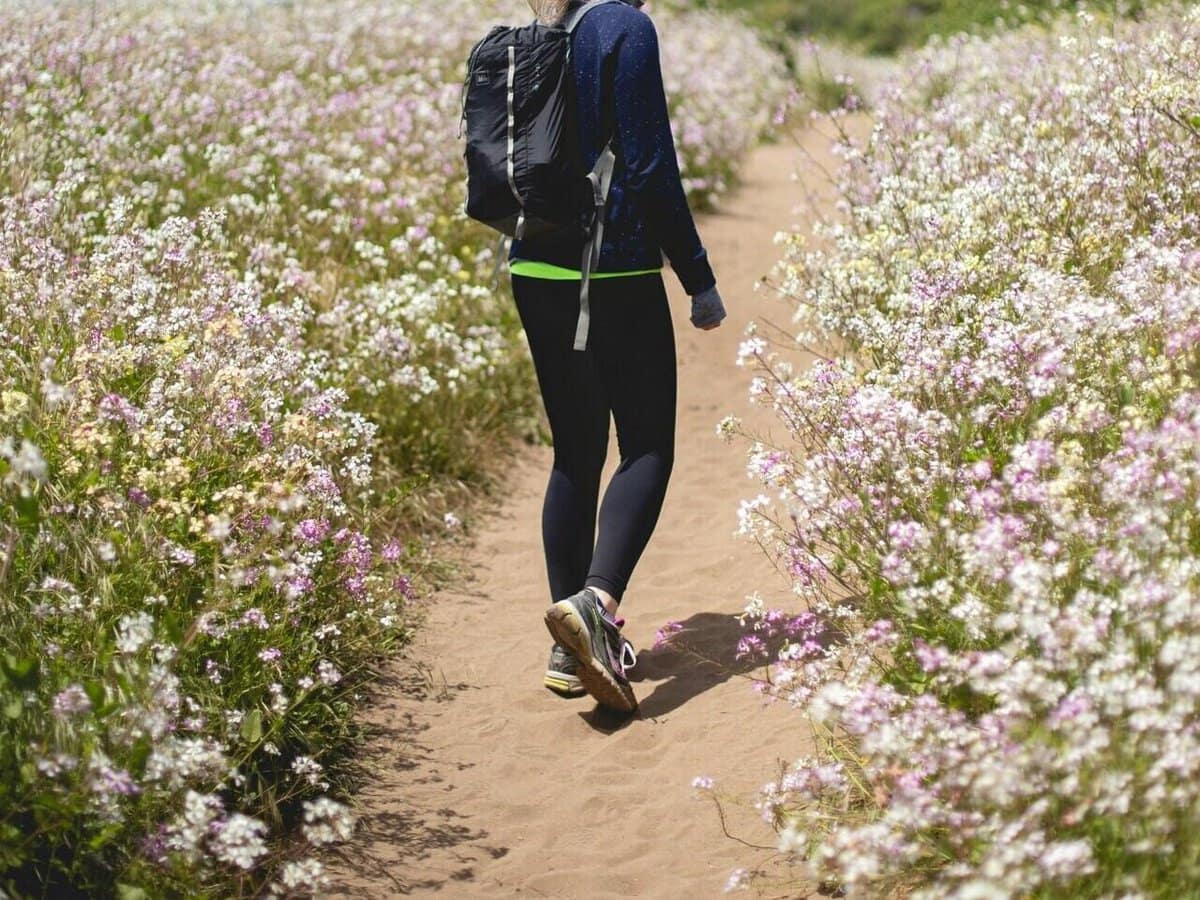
(628, 657)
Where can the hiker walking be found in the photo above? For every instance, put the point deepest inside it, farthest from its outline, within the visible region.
(581, 90)
(628, 368)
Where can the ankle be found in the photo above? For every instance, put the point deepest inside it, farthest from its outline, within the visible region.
(607, 600)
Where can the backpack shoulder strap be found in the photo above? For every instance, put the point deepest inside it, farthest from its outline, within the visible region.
(574, 16)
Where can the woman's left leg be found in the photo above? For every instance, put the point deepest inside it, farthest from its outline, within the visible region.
(634, 344)
(578, 417)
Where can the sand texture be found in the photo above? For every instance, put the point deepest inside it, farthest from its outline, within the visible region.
(488, 785)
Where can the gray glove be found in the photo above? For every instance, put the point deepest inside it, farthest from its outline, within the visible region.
(707, 308)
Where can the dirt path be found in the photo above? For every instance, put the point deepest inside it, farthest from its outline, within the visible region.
(488, 785)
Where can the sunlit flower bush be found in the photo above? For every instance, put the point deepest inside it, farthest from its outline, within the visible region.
(330, 148)
(248, 344)
(989, 503)
(725, 90)
(185, 585)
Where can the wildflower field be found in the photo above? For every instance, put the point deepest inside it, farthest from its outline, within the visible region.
(252, 362)
(988, 498)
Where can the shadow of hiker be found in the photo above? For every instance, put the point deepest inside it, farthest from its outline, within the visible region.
(701, 654)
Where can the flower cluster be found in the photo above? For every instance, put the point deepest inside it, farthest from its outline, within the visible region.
(990, 504)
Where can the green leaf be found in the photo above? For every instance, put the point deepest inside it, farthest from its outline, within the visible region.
(95, 693)
(22, 674)
(107, 709)
(195, 594)
(941, 496)
(12, 847)
(138, 757)
(252, 726)
(966, 428)
(173, 628)
(878, 587)
(13, 708)
(131, 892)
(105, 836)
(26, 509)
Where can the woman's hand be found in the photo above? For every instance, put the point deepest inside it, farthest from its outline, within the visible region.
(707, 309)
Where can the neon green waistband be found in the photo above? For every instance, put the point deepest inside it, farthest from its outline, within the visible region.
(533, 269)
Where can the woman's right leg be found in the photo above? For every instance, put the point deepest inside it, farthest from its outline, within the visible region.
(579, 415)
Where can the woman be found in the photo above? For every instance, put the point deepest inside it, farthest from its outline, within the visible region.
(628, 370)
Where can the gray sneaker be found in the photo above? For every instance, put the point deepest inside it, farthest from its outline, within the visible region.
(562, 673)
(581, 625)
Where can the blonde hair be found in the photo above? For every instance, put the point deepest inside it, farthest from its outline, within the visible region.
(549, 12)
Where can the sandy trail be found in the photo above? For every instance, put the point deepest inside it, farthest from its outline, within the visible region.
(490, 786)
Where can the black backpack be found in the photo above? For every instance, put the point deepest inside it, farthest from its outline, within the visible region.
(525, 173)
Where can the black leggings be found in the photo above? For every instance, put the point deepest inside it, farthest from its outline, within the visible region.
(628, 370)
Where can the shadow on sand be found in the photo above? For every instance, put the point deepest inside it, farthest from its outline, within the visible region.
(397, 833)
(701, 655)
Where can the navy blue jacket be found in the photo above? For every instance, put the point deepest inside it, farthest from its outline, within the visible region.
(618, 73)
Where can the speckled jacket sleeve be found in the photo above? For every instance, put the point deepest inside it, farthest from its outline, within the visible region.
(648, 149)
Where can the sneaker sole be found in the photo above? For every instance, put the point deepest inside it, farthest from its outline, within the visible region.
(568, 628)
(564, 685)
